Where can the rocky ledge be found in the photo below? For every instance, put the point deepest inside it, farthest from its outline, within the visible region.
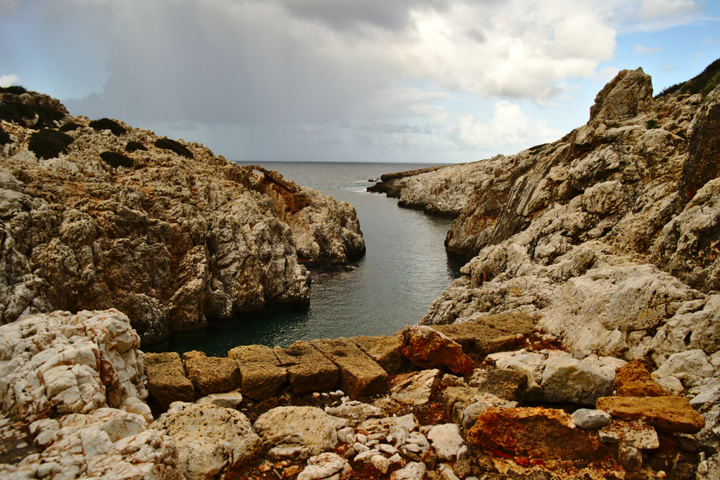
(99, 215)
(489, 399)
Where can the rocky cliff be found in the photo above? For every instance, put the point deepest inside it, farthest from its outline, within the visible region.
(610, 233)
(100, 215)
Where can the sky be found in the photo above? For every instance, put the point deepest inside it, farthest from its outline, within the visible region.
(439, 81)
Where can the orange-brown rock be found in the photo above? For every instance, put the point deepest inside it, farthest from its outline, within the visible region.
(536, 433)
(428, 348)
(633, 380)
(211, 374)
(666, 414)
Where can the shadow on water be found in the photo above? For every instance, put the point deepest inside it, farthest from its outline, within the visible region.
(404, 270)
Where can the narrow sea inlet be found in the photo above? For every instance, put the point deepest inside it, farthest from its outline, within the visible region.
(404, 270)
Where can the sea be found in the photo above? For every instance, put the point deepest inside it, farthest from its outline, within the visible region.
(404, 269)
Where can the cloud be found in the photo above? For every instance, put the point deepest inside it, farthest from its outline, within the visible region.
(668, 67)
(656, 15)
(642, 50)
(254, 74)
(709, 41)
(507, 126)
(8, 80)
(668, 8)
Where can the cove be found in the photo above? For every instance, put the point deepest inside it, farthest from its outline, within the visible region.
(405, 268)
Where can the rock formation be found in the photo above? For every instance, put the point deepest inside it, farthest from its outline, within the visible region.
(164, 231)
(604, 233)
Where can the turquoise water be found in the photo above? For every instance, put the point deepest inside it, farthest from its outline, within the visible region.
(404, 270)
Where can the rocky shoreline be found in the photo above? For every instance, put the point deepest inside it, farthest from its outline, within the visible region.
(99, 215)
(582, 342)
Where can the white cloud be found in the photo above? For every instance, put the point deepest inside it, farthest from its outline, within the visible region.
(507, 127)
(668, 8)
(709, 41)
(668, 67)
(643, 50)
(8, 80)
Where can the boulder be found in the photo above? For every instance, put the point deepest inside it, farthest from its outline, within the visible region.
(308, 370)
(211, 374)
(589, 419)
(536, 433)
(415, 388)
(446, 441)
(61, 363)
(666, 414)
(386, 351)
(359, 374)
(167, 382)
(296, 432)
(566, 379)
(260, 371)
(506, 384)
(211, 440)
(685, 365)
(633, 380)
(428, 348)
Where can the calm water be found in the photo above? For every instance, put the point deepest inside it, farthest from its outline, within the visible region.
(404, 270)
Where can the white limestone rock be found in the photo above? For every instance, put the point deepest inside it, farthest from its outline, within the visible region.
(566, 379)
(108, 443)
(446, 440)
(411, 471)
(296, 432)
(60, 363)
(209, 438)
(325, 465)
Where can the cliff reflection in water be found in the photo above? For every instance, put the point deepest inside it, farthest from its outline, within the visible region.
(404, 270)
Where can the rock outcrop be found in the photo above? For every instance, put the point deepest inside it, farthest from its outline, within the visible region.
(164, 231)
(604, 233)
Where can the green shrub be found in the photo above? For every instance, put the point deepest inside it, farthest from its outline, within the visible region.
(4, 137)
(69, 127)
(107, 124)
(116, 160)
(14, 89)
(650, 124)
(711, 85)
(48, 143)
(134, 146)
(167, 144)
